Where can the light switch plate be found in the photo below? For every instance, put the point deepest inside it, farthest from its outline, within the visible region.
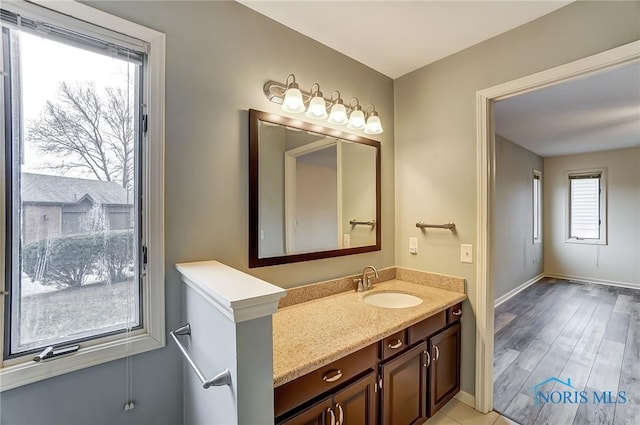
(346, 240)
(413, 245)
(466, 253)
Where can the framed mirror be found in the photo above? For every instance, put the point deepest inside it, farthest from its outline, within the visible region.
(314, 192)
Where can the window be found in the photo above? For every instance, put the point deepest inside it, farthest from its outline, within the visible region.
(587, 207)
(537, 206)
(83, 256)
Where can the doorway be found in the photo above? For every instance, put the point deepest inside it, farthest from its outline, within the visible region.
(486, 190)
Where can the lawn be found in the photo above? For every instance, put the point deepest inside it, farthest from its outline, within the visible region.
(76, 312)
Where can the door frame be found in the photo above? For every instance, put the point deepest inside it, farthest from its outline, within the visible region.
(485, 168)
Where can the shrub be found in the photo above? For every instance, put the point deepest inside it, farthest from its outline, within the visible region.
(118, 254)
(68, 260)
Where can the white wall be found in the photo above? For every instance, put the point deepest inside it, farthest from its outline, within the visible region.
(517, 258)
(436, 131)
(316, 203)
(358, 192)
(619, 260)
(271, 191)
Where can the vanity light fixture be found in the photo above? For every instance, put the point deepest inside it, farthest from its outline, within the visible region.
(374, 125)
(338, 114)
(315, 106)
(293, 101)
(356, 118)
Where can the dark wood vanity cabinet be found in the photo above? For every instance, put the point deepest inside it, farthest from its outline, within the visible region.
(404, 388)
(444, 372)
(348, 385)
(318, 414)
(353, 405)
(401, 380)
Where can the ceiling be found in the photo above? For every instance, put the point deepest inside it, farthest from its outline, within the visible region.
(593, 113)
(396, 37)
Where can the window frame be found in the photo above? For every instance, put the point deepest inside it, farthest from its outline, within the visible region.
(602, 205)
(23, 370)
(537, 175)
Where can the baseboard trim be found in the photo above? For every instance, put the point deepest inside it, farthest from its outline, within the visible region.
(466, 398)
(515, 291)
(594, 281)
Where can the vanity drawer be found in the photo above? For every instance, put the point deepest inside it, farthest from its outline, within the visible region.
(393, 344)
(427, 327)
(307, 387)
(454, 313)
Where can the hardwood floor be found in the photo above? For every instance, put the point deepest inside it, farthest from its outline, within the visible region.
(587, 333)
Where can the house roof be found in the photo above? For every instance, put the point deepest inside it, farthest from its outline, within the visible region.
(41, 188)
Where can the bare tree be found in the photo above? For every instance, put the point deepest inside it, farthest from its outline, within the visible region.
(88, 132)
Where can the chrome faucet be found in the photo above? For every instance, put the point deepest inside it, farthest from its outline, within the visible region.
(366, 280)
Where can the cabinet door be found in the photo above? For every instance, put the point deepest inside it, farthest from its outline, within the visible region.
(356, 404)
(444, 373)
(318, 414)
(404, 384)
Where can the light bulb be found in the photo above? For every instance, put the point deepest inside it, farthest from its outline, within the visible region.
(338, 114)
(317, 108)
(293, 100)
(374, 126)
(356, 120)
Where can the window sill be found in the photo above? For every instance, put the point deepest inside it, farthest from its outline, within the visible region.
(586, 241)
(28, 371)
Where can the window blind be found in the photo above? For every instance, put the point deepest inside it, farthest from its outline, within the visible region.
(585, 206)
(97, 39)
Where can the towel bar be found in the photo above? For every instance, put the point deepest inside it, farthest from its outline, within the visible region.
(450, 226)
(355, 222)
(223, 378)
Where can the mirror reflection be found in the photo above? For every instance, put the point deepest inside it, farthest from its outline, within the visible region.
(314, 191)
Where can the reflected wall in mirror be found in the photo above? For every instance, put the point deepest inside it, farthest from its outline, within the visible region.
(314, 192)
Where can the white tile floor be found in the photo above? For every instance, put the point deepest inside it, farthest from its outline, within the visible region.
(458, 413)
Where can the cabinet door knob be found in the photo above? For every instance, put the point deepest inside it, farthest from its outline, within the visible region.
(458, 312)
(333, 416)
(396, 344)
(332, 375)
(340, 414)
(437, 356)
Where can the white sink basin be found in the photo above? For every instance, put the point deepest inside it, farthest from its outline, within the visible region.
(392, 300)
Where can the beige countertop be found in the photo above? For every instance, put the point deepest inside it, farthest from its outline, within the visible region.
(312, 334)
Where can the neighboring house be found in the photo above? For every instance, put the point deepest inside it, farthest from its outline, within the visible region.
(54, 206)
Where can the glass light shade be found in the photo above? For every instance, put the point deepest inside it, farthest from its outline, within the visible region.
(317, 109)
(374, 126)
(356, 120)
(338, 114)
(293, 100)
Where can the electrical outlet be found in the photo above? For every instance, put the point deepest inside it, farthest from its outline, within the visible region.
(346, 240)
(466, 253)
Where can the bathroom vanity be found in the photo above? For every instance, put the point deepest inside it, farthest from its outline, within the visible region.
(341, 360)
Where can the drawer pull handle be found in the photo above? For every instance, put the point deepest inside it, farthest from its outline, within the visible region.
(458, 312)
(428, 362)
(396, 344)
(437, 356)
(332, 375)
(341, 413)
(333, 416)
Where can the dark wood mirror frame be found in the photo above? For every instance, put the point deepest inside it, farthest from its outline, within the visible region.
(254, 207)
